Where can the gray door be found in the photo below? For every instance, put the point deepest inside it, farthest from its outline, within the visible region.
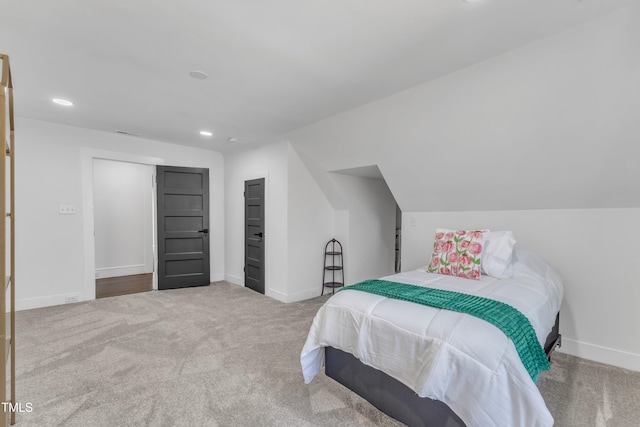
(254, 234)
(183, 227)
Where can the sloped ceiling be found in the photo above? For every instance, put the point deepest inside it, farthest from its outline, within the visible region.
(274, 66)
(554, 124)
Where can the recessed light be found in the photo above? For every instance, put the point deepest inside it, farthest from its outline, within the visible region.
(63, 102)
(206, 133)
(199, 75)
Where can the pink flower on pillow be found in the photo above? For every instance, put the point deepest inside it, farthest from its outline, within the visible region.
(453, 257)
(439, 236)
(475, 248)
(475, 274)
(448, 246)
(445, 270)
(464, 244)
(434, 262)
(461, 232)
(448, 236)
(476, 234)
(464, 260)
(439, 247)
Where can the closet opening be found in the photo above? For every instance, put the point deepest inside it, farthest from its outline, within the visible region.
(367, 231)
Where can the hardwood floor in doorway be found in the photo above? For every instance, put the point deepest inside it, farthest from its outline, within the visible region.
(123, 285)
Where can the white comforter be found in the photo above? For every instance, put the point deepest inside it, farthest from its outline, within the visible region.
(461, 360)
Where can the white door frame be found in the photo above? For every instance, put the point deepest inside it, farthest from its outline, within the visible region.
(87, 156)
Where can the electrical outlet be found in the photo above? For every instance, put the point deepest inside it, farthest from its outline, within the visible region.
(67, 210)
(70, 298)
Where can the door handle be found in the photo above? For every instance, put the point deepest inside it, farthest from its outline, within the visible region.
(261, 234)
(205, 231)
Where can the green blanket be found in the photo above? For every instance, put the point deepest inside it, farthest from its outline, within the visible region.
(513, 323)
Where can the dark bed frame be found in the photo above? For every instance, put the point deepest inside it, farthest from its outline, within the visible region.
(394, 398)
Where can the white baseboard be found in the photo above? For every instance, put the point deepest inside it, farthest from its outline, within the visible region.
(124, 270)
(277, 295)
(601, 354)
(303, 295)
(216, 277)
(48, 301)
(298, 296)
(280, 296)
(236, 280)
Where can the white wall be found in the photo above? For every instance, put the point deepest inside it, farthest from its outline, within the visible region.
(596, 252)
(55, 253)
(300, 220)
(123, 218)
(269, 163)
(311, 226)
(537, 140)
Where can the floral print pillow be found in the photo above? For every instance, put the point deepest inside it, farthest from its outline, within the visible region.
(458, 253)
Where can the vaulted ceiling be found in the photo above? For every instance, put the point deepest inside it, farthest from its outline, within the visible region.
(273, 66)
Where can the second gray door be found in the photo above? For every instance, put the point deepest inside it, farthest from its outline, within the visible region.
(254, 236)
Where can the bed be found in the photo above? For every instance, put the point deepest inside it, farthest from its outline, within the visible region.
(436, 367)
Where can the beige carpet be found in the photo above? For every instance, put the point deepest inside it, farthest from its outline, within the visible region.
(223, 355)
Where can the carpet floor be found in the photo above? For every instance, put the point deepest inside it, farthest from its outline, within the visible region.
(223, 355)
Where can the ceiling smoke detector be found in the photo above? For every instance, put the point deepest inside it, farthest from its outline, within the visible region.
(198, 75)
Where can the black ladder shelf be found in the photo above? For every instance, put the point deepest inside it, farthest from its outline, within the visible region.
(334, 265)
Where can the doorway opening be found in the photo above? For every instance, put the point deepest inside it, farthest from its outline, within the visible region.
(124, 285)
(124, 220)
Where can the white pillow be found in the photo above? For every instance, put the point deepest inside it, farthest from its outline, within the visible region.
(498, 250)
